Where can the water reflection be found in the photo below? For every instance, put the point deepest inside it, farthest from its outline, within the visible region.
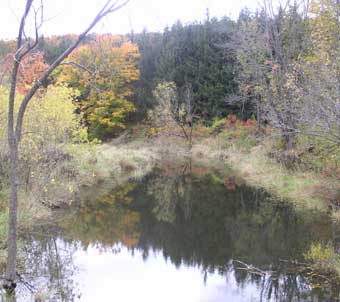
(49, 270)
(173, 237)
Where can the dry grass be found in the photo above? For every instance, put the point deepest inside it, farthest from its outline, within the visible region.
(118, 162)
(261, 171)
(304, 189)
(126, 161)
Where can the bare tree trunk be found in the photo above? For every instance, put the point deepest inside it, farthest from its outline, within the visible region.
(12, 221)
(15, 128)
(10, 277)
(289, 139)
(258, 113)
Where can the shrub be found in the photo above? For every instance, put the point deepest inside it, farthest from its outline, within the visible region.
(238, 132)
(323, 257)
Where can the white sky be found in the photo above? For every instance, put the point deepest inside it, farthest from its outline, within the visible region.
(71, 16)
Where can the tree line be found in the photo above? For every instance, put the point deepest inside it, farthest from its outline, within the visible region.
(278, 65)
(116, 76)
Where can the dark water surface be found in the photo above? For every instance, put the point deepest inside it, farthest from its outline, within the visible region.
(176, 235)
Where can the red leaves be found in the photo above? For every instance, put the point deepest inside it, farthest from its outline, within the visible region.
(232, 118)
(232, 121)
(30, 69)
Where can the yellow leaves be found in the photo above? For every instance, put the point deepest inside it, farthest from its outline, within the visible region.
(324, 31)
(111, 67)
(49, 118)
(109, 61)
(53, 114)
(320, 253)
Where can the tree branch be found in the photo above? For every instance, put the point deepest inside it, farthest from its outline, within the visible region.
(91, 72)
(14, 75)
(107, 9)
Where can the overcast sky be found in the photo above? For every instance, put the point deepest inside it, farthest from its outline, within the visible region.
(71, 16)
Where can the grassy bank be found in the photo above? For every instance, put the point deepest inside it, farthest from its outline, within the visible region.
(250, 156)
(57, 183)
(302, 188)
(240, 152)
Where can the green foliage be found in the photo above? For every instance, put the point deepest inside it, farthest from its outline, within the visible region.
(319, 253)
(6, 47)
(54, 46)
(193, 54)
(109, 119)
(149, 45)
(218, 125)
(50, 122)
(319, 155)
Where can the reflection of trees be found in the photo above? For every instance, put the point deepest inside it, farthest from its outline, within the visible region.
(197, 219)
(286, 283)
(227, 222)
(105, 220)
(48, 270)
(169, 191)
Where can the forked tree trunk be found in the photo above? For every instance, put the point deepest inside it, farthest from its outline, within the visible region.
(15, 128)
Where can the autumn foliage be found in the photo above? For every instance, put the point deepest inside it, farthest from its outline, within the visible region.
(30, 69)
(106, 69)
(102, 71)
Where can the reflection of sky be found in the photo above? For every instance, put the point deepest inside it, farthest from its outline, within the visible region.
(105, 276)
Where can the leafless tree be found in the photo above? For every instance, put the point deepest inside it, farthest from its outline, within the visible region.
(249, 44)
(24, 46)
(270, 46)
(287, 41)
(322, 87)
(322, 115)
(174, 110)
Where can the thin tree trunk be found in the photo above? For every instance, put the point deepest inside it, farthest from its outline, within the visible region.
(289, 141)
(10, 277)
(15, 129)
(12, 220)
(258, 113)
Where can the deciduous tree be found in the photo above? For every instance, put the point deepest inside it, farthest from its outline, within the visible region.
(25, 46)
(104, 70)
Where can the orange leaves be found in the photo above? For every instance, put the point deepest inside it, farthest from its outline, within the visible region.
(109, 68)
(232, 121)
(30, 69)
(108, 61)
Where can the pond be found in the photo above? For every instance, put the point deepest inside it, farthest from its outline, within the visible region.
(179, 234)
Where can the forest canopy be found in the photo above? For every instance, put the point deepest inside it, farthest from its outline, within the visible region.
(270, 65)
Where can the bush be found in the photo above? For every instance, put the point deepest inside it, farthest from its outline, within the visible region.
(238, 132)
(323, 257)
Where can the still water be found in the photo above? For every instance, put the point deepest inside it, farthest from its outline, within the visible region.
(180, 234)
